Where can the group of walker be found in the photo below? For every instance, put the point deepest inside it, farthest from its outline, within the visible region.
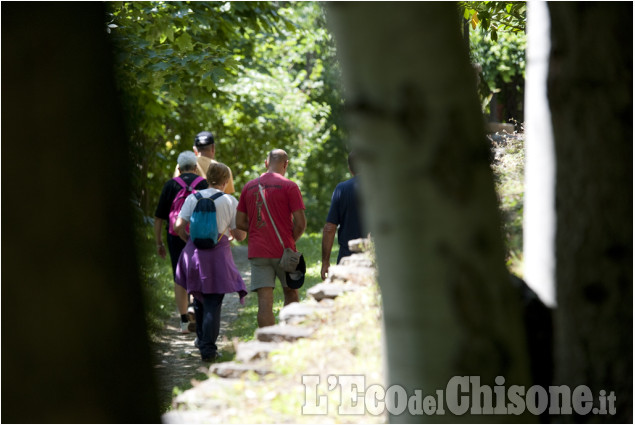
(270, 209)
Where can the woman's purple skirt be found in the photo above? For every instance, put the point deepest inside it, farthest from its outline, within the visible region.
(209, 271)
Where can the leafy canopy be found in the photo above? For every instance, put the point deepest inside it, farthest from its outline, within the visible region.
(259, 75)
(495, 16)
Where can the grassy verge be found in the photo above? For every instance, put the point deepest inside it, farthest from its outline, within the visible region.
(156, 281)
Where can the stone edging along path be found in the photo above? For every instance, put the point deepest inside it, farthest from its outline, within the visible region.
(205, 403)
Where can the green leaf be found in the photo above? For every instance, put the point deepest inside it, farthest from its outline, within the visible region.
(184, 42)
(159, 66)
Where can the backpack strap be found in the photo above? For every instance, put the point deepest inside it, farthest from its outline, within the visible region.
(180, 181)
(196, 181)
(214, 197)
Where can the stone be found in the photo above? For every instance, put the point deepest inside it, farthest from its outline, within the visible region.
(254, 350)
(331, 290)
(204, 393)
(358, 245)
(295, 313)
(351, 275)
(237, 370)
(356, 260)
(280, 333)
(326, 302)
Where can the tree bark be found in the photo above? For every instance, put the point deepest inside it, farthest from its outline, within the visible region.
(430, 203)
(590, 94)
(75, 348)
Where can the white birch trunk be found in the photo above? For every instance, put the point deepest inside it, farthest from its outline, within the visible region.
(539, 219)
(414, 120)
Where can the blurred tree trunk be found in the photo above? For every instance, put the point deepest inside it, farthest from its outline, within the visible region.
(74, 346)
(591, 98)
(415, 122)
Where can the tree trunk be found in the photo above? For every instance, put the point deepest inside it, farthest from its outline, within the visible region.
(539, 212)
(75, 348)
(430, 203)
(590, 94)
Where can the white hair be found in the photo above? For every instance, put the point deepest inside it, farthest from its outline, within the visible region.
(186, 160)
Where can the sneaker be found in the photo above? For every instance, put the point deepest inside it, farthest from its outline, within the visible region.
(185, 327)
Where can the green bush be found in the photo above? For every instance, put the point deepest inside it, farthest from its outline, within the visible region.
(502, 65)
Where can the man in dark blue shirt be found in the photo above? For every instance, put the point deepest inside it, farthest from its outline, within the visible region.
(344, 212)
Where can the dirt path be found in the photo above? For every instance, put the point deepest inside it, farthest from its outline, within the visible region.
(176, 359)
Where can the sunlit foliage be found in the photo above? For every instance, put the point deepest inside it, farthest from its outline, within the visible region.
(259, 75)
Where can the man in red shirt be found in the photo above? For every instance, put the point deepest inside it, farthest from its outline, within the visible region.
(286, 206)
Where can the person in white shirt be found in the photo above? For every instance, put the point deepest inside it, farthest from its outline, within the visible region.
(209, 274)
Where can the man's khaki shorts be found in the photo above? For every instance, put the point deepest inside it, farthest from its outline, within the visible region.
(264, 272)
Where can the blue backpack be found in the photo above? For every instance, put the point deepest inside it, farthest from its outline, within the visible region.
(203, 224)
